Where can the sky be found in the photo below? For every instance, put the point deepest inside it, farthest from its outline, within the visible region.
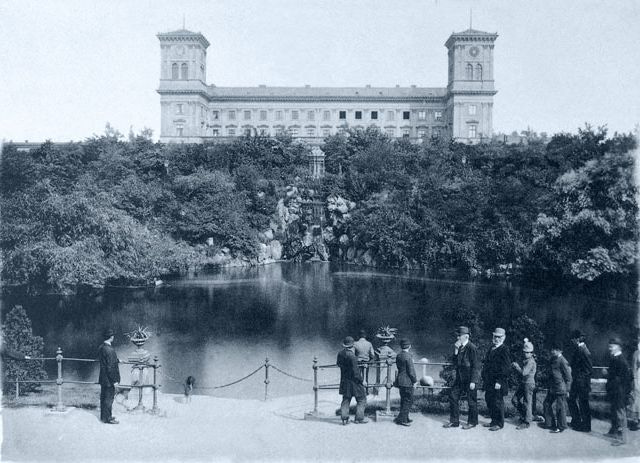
(68, 67)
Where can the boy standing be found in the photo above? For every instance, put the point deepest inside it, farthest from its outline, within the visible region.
(522, 399)
(559, 387)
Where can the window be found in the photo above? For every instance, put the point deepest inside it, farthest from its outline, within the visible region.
(295, 115)
(215, 133)
(437, 115)
(247, 131)
(391, 115)
(469, 71)
(263, 132)
(390, 132)
(278, 115)
(422, 133)
(358, 114)
(406, 115)
(184, 71)
(436, 133)
(263, 115)
(179, 109)
(472, 110)
(247, 115)
(342, 115)
(326, 115)
(326, 132)
(174, 71)
(311, 115)
(422, 115)
(179, 131)
(406, 133)
(374, 115)
(215, 115)
(478, 71)
(311, 132)
(473, 131)
(293, 132)
(201, 111)
(231, 132)
(232, 115)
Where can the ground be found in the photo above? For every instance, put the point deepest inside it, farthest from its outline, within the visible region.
(216, 429)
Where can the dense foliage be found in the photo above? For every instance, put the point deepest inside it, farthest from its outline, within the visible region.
(110, 211)
(17, 336)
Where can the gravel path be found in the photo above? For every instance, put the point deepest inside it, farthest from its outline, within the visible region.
(215, 429)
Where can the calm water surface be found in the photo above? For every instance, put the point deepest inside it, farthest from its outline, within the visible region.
(220, 326)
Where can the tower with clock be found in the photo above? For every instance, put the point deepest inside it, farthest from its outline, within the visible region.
(470, 87)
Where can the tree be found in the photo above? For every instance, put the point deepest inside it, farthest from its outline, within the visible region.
(17, 335)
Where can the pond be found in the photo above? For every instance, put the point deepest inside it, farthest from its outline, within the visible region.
(220, 326)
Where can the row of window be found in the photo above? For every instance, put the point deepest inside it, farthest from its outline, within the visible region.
(308, 132)
(296, 115)
(179, 71)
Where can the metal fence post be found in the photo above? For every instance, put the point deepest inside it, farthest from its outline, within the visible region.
(17, 388)
(388, 386)
(155, 384)
(315, 384)
(266, 378)
(59, 381)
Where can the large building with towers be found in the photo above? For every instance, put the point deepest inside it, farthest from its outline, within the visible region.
(193, 111)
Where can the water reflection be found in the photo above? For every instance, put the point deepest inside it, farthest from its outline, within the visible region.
(219, 327)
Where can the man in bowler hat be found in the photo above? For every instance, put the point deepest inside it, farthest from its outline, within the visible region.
(619, 380)
(109, 376)
(581, 368)
(465, 359)
(495, 376)
(405, 380)
(351, 383)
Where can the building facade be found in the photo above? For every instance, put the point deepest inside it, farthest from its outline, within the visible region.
(194, 112)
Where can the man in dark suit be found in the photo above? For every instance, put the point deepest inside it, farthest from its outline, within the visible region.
(581, 368)
(404, 381)
(495, 376)
(465, 359)
(109, 377)
(619, 381)
(351, 383)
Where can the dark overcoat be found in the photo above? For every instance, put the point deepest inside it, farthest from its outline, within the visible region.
(350, 375)
(581, 365)
(109, 370)
(619, 380)
(467, 364)
(406, 371)
(496, 368)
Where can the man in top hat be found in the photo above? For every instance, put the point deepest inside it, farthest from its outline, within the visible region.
(522, 399)
(619, 381)
(351, 383)
(109, 376)
(495, 376)
(405, 379)
(581, 369)
(465, 359)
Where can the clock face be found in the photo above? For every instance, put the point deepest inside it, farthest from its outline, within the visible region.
(473, 51)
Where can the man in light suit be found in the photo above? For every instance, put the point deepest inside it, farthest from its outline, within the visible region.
(109, 377)
(351, 383)
(404, 381)
(465, 359)
(495, 376)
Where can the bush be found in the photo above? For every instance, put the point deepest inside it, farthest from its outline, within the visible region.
(17, 335)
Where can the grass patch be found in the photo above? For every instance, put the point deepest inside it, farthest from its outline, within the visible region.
(73, 395)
